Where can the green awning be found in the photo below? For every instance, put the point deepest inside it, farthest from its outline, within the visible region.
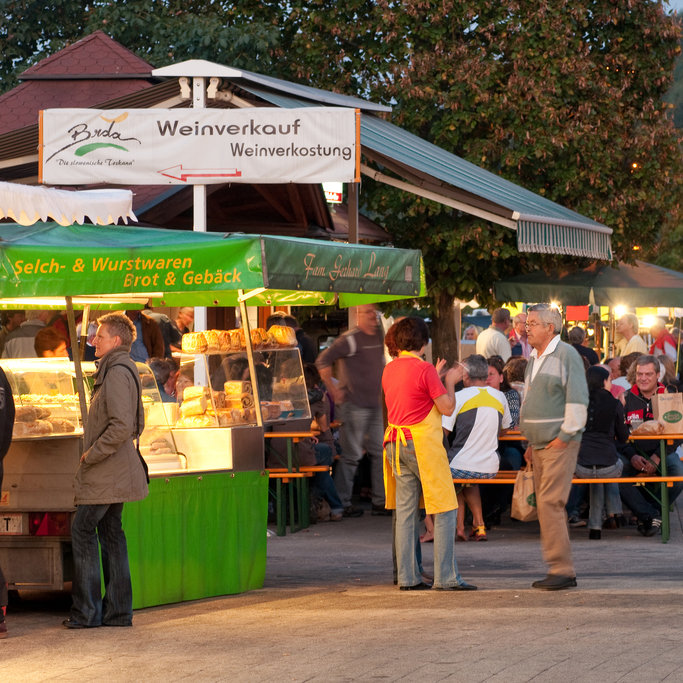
(429, 171)
(640, 284)
(176, 267)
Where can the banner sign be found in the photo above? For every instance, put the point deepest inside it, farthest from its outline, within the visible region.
(53, 260)
(199, 146)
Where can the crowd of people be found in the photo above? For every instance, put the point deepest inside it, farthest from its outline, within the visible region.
(420, 425)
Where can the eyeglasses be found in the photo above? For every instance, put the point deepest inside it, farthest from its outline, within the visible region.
(534, 324)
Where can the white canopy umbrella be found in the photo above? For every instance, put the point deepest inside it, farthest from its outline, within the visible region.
(27, 204)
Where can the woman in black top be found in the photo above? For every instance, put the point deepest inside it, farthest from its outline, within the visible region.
(598, 452)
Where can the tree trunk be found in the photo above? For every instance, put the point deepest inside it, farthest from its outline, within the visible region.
(444, 340)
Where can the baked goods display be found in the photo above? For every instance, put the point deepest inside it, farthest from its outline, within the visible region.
(229, 341)
(34, 415)
(203, 407)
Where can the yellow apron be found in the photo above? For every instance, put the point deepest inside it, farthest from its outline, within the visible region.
(432, 461)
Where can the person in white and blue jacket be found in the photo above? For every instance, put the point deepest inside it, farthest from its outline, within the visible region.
(552, 419)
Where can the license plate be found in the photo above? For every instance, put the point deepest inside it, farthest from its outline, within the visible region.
(11, 523)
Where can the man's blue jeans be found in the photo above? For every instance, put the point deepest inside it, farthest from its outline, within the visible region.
(323, 480)
(361, 428)
(408, 490)
(103, 522)
(601, 492)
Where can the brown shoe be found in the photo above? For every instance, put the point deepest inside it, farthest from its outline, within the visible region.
(3, 628)
(555, 582)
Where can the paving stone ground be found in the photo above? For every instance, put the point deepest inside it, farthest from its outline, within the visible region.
(329, 612)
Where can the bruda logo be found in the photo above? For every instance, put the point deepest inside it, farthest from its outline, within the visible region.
(86, 139)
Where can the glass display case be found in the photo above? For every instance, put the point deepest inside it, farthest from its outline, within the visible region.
(45, 397)
(47, 406)
(215, 421)
(216, 389)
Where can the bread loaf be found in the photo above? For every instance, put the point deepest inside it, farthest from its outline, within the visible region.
(25, 414)
(237, 388)
(194, 392)
(235, 340)
(194, 421)
(281, 335)
(211, 337)
(35, 428)
(195, 406)
(259, 337)
(61, 425)
(193, 342)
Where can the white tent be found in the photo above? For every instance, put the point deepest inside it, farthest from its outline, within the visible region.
(26, 204)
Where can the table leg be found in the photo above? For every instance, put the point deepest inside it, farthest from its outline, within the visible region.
(280, 513)
(665, 492)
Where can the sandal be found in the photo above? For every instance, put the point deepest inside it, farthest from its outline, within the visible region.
(478, 533)
(460, 537)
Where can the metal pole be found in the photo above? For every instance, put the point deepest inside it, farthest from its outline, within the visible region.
(353, 236)
(199, 194)
(80, 386)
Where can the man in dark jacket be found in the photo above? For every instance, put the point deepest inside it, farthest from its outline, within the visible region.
(111, 472)
(643, 457)
(6, 426)
(148, 342)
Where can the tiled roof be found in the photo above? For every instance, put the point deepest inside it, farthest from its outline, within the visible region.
(95, 56)
(97, 69)
(20, 105)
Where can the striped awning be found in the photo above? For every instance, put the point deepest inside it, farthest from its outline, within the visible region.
(539, 236)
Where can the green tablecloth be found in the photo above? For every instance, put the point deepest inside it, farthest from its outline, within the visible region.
(197, 536)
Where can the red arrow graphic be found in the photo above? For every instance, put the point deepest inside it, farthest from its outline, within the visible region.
(178, 173)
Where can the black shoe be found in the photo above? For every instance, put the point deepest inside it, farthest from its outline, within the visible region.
(458, 587)
(419, 587)
(594, 534)
(72, 623)
(380, 511)
(646, 526)
(352, 512)
(575, 522)
(555, 582)
(656, 526)
(610, 523)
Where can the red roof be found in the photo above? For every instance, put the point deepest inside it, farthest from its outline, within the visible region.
(95, 56)
(96, 68)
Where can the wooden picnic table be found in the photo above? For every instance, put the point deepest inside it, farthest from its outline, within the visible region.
(664, 480)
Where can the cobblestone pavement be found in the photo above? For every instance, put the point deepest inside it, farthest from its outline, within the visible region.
(329, 612)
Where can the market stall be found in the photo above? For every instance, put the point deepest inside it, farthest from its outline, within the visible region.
(202, 529)
(634, 285)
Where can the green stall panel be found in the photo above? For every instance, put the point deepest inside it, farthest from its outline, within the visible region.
(197, 536)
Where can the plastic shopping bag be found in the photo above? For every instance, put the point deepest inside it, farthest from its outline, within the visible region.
(524, 496)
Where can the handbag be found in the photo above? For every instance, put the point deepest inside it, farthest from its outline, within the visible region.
(524, 497)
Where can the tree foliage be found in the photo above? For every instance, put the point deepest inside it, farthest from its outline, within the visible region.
(564, 98)
(160, 31)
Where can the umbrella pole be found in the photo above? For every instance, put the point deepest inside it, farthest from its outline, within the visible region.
(80, 386)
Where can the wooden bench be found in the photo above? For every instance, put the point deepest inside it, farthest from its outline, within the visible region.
(299, 510)
(295, 478)
(509, 476)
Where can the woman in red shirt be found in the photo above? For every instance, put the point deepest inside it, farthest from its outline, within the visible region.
(415, 460)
